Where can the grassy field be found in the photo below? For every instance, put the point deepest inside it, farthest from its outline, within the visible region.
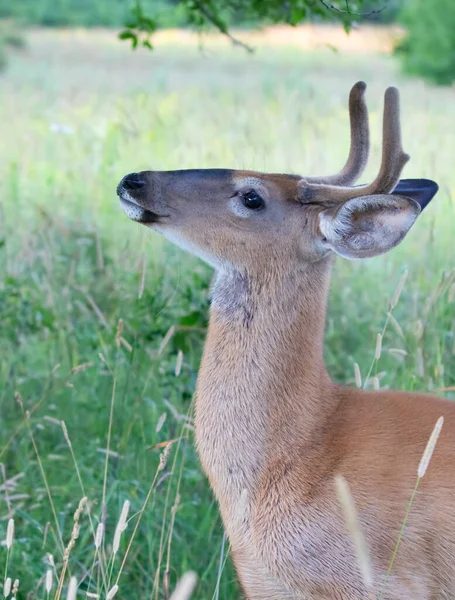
(78, 110)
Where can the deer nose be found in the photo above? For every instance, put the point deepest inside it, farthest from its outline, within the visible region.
(133, 181)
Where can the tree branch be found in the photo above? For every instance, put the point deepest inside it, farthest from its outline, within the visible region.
(214, 21)
(348, 11)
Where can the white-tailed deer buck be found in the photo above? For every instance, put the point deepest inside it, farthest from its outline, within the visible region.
(272, 429)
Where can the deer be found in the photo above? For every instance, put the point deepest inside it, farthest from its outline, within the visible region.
(272, 429)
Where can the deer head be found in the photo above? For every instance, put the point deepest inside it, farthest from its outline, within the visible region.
(253, 221)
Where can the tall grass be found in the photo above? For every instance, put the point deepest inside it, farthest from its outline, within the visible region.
(78, 111)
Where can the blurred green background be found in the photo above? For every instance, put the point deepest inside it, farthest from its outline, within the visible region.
(78, 110)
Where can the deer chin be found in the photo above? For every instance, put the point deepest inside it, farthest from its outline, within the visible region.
(136, 212)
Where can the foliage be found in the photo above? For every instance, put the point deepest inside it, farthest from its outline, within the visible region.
(10, 38)
(429, 47)
(223, 13)
(141, 18)
(86, 13)
(80, 112)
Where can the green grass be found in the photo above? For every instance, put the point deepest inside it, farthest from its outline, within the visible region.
(72, 265)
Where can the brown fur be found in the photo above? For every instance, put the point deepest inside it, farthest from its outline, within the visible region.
(272, 429)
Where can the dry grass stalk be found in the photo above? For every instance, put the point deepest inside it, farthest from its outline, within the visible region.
(423, 465)
(126, 344)
(185, 587)
(350, 514)
(451, 295)
(396, 325)
(160, 423)
(164, 456)
(420, 364)
(97, 311)
(119, 332)
(166, 339)
(136, 526)
(142, 276)
(27, 415)
(71, 544)
(166, 584)
(52, 420)
(65, 433)
(103, 360)
(99, 252)
(399, 289)
(419, 329)
(80, 368)
(431, 444)
(80, 509)
(378, 350)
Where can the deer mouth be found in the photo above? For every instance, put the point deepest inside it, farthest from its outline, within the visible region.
(136, 212)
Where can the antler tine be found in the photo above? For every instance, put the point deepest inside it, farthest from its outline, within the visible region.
(393, 161)
(360, 141)
(393, 156)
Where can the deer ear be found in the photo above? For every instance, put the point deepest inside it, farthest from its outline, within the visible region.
(421, 190)
(368, 225)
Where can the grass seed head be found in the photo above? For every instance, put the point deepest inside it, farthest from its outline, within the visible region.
(72, 589)
(164, 456)
(178, 363)
(7, 587)
(375, 383)
(65, 433)
(185, 587)
(80, 508)
(160, 423)
(10, 534)
(123, 521)
(358, 375)
(116, 542)
(111, 593)
(431, 444)
(48, 580)
(347, 502)
(99, 535)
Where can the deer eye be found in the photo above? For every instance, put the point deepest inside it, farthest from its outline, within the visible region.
(253, 200)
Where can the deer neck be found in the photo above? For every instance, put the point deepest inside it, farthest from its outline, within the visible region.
(262, 387)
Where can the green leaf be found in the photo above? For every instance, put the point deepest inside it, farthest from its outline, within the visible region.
(126, 35)
(192, 318)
